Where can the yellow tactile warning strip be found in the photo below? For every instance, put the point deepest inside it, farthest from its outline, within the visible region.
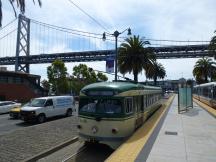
(129, 150)
(206, 107)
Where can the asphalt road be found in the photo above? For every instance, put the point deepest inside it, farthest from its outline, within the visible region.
(8, 125)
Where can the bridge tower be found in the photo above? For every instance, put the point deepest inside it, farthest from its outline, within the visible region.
(23, 43)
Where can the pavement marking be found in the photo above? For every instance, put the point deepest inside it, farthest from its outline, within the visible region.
(209, 109)
(129, 150)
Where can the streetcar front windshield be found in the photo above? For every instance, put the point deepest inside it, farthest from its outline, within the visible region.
(101, 106)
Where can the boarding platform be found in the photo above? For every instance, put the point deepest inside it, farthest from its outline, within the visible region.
(169, 136)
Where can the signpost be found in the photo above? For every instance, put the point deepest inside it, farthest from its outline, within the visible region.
(110, 65)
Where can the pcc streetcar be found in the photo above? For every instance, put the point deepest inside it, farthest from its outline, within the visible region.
(109, 112)
(206, 93)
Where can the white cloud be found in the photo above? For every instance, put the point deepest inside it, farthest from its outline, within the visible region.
(160, 19)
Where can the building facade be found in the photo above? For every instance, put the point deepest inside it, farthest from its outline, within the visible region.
(19, 86)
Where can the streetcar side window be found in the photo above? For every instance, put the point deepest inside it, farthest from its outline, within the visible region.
(128, 106)
(150, 99)
(147, 100)
(205, 91)
(214, 92)
(210, 92)
(144, 101)
(138, 103)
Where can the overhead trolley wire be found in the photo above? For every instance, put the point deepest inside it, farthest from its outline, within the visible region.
(88, 15)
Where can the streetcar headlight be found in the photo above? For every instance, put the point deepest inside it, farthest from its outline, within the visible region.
(94, 129)
(114, 130)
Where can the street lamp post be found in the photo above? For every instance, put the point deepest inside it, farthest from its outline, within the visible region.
(116, 34)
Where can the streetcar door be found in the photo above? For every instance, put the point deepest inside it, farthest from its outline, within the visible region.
(128, 105)
(137, 109)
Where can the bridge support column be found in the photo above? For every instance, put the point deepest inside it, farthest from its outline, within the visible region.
(23, 43)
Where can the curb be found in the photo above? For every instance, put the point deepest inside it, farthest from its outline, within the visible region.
(144, 153)
(207, 108)
(50, 151)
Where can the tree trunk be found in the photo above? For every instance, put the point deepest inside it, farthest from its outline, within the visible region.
(135, 76)
(155, 80)
(206, 78)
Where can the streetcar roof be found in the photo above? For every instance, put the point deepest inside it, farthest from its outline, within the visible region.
(119, 86)
(205, 84)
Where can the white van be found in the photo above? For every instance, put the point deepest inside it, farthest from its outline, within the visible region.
(44, 107)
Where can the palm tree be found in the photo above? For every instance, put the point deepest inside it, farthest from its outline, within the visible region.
(212, 45)
(133, 57)
(20, 4)
(156, 71)
(204, 69)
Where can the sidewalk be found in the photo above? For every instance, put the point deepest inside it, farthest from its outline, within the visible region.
(186, 137)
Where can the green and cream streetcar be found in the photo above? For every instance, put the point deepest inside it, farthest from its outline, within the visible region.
(109, 112)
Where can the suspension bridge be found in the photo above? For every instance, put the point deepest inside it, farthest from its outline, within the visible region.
(34, 42)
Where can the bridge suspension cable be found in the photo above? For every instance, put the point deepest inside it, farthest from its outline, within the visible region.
(8, 34)
(8, 24)
(74, 31)
(167, 40)
(62, 28)
(56, 35)
(51, 39)
(8, 39)
(122, 39)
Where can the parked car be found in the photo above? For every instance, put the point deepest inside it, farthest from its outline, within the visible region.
(44, 107)
(15, 113)
(6, 106)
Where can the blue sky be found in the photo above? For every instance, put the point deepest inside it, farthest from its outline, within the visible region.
(158, 19)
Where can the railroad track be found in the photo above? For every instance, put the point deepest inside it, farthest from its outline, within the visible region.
(89, 153)
(75, 154)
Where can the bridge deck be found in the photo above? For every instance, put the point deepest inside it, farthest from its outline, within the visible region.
(190, 51)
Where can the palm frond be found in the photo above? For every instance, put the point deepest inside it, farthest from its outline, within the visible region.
(20, 4)
(11, 2)
(133, 57)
